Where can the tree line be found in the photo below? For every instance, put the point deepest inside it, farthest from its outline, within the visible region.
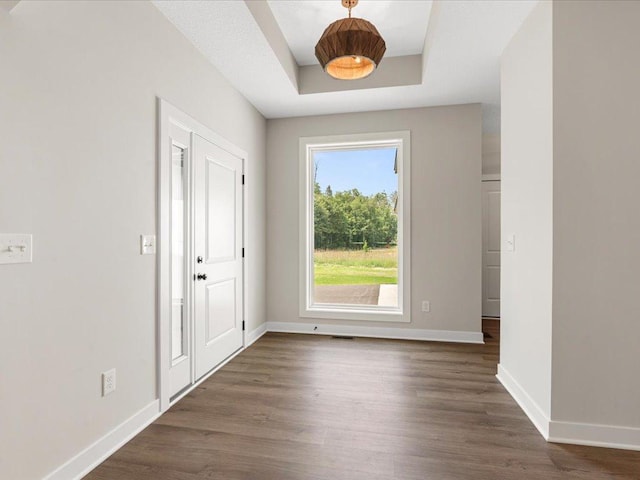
(352, 220)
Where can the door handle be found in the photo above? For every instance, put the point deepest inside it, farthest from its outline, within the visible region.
(201, 276)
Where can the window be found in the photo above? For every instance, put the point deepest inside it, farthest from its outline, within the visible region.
(354, 238)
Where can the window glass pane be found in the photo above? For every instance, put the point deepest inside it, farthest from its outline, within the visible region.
(355, 252)
(177, 253)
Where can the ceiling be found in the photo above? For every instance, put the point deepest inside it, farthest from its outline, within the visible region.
(265, 49)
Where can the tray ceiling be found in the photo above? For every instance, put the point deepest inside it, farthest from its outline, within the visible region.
(265, 49)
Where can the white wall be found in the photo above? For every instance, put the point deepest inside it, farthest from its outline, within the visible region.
(596, 314)
(446, 211)
(78, 170)
(527, 190)
(570, 171)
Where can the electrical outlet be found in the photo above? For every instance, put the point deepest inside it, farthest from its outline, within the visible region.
(108, 382)
(426, 306)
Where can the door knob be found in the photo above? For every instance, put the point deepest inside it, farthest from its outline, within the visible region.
(201, 276)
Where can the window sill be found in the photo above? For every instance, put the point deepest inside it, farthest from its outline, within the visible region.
(335, 312)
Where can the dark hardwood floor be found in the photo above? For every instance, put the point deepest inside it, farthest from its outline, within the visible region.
(315, 407)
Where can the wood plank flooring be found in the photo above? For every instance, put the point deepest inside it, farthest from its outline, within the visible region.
(304, 407)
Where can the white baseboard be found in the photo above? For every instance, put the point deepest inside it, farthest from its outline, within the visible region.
(255, 334)
(539, 419)
(377, 332)
(607, 436)
(99, 451)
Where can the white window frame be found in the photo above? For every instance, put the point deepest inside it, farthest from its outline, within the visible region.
(308, 309)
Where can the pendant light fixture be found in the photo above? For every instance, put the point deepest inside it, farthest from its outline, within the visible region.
(350, 48)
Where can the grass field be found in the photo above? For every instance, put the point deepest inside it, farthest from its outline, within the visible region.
(356, 267)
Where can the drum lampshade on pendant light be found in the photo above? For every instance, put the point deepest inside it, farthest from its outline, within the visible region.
(350, 48)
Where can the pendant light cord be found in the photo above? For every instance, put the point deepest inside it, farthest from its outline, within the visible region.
(349, 4)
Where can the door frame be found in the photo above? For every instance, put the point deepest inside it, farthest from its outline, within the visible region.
(168, 115)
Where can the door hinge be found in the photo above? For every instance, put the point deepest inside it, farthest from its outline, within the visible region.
(242, 252)
(243, 179)
(243, 325)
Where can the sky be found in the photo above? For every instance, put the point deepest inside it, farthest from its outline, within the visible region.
(370, 171)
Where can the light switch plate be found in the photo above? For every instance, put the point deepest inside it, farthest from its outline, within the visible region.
(147, 244)
(16, 248)
(510, 243)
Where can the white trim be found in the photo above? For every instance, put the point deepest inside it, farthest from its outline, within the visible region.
(592, 435)
(490, 177)
(364, 312)
(526, 403)
(245, 249)
(607, 436)
(402, 139)
(163, 242)
(254, 335)
(96, 453)
(377, 332)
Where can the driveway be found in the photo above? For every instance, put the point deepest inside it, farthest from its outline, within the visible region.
(383, 295)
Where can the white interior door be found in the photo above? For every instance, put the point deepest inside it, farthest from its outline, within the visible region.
(218, 274)
(491, 249)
